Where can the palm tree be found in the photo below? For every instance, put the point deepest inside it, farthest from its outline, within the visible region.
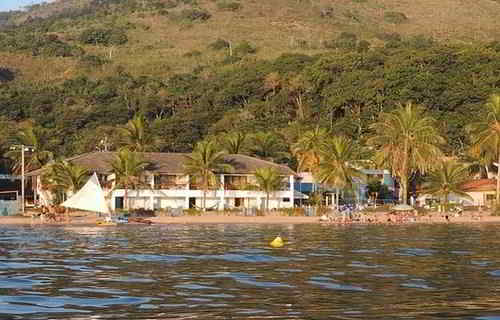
(135, 135)
(66, 176)
(447, 178)
(485, 135)
(128, 166)
(407, 141)
(268, 146)
(6, 131)
(234, 143)
(308, 148)
(268, 180)
(339, 155)
(479, 162)
(36, 137)
(204, 163)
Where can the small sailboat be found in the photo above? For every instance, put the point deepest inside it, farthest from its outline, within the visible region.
(91, 198)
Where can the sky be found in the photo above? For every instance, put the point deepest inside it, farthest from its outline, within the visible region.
(6, 5)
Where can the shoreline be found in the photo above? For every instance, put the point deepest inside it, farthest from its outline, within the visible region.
(83, 218)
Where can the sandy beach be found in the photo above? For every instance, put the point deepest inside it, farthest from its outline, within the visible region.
(84, 218)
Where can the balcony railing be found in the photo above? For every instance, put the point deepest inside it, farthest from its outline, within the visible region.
(170, 186)
(238, 186)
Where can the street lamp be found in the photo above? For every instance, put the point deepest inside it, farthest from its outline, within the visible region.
(23, 149)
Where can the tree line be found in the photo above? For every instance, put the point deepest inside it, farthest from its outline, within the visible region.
(259, 107)
(406, 140)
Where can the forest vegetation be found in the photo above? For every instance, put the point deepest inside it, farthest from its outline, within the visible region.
(257, 76)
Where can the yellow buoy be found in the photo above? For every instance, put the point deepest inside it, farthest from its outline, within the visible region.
(277, 242)
(106, 223)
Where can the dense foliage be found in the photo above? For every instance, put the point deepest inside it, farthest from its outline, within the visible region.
(107, 37)
(342, 91)
(271, 102)
(38, 44)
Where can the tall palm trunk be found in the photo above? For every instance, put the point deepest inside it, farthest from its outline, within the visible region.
(204, 205)
(404, 188)
(445, 202)
(404, 175)
(267, 201)
(337, 196)
(205, 190)
(125, 199)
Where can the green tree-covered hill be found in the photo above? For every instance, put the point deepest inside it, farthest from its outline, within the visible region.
(78, 69)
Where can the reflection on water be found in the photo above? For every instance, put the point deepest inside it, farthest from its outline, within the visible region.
(228, 271)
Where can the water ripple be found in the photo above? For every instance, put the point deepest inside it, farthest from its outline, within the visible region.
(337, 286)
(229, 272)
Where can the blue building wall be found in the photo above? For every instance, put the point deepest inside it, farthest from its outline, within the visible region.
(359, 187)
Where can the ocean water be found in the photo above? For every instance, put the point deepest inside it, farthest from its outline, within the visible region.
(215, 271)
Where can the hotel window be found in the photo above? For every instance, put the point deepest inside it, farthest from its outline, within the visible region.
(238, 202)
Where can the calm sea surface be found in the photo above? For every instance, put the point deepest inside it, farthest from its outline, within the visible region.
(229, 272)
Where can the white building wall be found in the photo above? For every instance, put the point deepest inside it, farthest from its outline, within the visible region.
(478, 198)
(177, 198)
(164, 202)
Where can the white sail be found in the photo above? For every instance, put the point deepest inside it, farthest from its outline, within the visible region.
(90, 197)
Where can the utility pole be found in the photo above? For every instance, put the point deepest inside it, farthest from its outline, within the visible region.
(22, 179)
(23, 148)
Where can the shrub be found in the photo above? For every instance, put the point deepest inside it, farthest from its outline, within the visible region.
(54, 49)
(158, 5)
(104, 37)
(293, 212)
(219, 44)
(363, 46)
(388, 36)
(230, 60)
(193, 212)
(420, 42)
(199, 69)
(494, 45)
(495, 211)
(393, 44)
(244, 48)
(6, 75)
(349, 36)
(228, 5)
(44, 44)
(117, 37)
(190, 2)
(352, 15)
(92, 61)
(193, 53)
(346, 40)
(170, 4)
(395, 17)
(194, 15)
(326, 12)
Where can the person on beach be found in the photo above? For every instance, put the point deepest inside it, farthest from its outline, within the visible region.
(43, 213)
